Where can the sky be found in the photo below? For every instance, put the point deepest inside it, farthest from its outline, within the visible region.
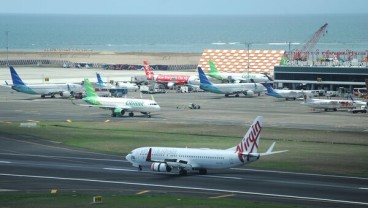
(184, 7)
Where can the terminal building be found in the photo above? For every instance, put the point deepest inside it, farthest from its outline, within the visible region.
(329, 78)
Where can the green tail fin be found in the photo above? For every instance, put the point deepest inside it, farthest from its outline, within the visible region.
(90, 91)
(213, 69)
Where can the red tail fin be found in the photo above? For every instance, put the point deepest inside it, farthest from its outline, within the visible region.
(147, 69)
(250, 141)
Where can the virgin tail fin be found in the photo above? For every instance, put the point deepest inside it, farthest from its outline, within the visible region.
(250, 141)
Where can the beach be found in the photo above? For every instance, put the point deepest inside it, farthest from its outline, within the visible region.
(105, 57)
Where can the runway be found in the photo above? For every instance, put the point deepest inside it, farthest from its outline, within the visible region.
(29, 164)
(32, 164)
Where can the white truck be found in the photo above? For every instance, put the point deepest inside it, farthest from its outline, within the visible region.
(359, 109)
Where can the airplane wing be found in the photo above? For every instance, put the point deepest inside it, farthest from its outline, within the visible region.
(173, 163)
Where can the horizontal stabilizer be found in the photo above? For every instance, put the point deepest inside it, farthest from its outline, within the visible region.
(270, 152)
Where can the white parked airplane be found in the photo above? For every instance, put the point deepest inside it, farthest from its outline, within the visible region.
(287, 94)
(119, 85)
(119, 106)
(236, 77)
(328, 104)
(64, 90)
(248, 89)
(165, 159)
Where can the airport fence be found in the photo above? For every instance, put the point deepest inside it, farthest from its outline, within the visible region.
(69, 64)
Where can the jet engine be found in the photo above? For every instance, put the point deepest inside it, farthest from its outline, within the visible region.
(170, 84)
(160, 167)
(249, 93)
(118, 111)
(66, 94)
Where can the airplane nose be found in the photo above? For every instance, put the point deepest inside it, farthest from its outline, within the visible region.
(127, 157)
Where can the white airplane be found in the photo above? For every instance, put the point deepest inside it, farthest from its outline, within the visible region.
(236, 77)
(287, 94)
(130, 86)
(248, 89)
(328, 104)
(64, 90)
(119, 106)
(165, 159)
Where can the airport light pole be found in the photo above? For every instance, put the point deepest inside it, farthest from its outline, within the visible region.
(248, 45)
(7, 48)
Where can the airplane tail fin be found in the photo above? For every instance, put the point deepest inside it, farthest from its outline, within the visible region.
(15, 77)
(250, 141)
(100, 82)
(307, 97)
(147, 69)
(213, 69)
(90, 91)
(202, 77)
(269, 88)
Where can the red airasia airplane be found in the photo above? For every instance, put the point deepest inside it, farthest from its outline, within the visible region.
(169, 79)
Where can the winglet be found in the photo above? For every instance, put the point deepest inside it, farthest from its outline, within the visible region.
(149, 155)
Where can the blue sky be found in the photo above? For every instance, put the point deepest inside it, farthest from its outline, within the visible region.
(185, 7)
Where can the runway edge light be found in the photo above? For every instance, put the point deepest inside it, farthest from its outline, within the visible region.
(53, 191)
(97, 199)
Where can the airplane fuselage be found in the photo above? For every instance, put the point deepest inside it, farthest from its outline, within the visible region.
(196, 157)
(129, 105)
(233, 88)
(48, 89)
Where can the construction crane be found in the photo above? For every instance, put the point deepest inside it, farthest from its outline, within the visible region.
(302, 54)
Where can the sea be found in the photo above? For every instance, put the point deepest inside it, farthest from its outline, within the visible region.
(188, 34)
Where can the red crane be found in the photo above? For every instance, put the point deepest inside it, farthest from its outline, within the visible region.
(302, 54)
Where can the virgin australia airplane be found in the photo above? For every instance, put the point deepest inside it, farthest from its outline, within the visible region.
(64, 90)
(119, 106)
(248, 89)
(165, 159)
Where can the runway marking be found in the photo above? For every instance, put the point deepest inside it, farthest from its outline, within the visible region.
(121, 169)
(363, 188)
(62, 157)
(5, 162)
(189, 188)
(305, 174)
(143, 192)
(222, 196)
(225, 177)
(142, 171)
(5, 190)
